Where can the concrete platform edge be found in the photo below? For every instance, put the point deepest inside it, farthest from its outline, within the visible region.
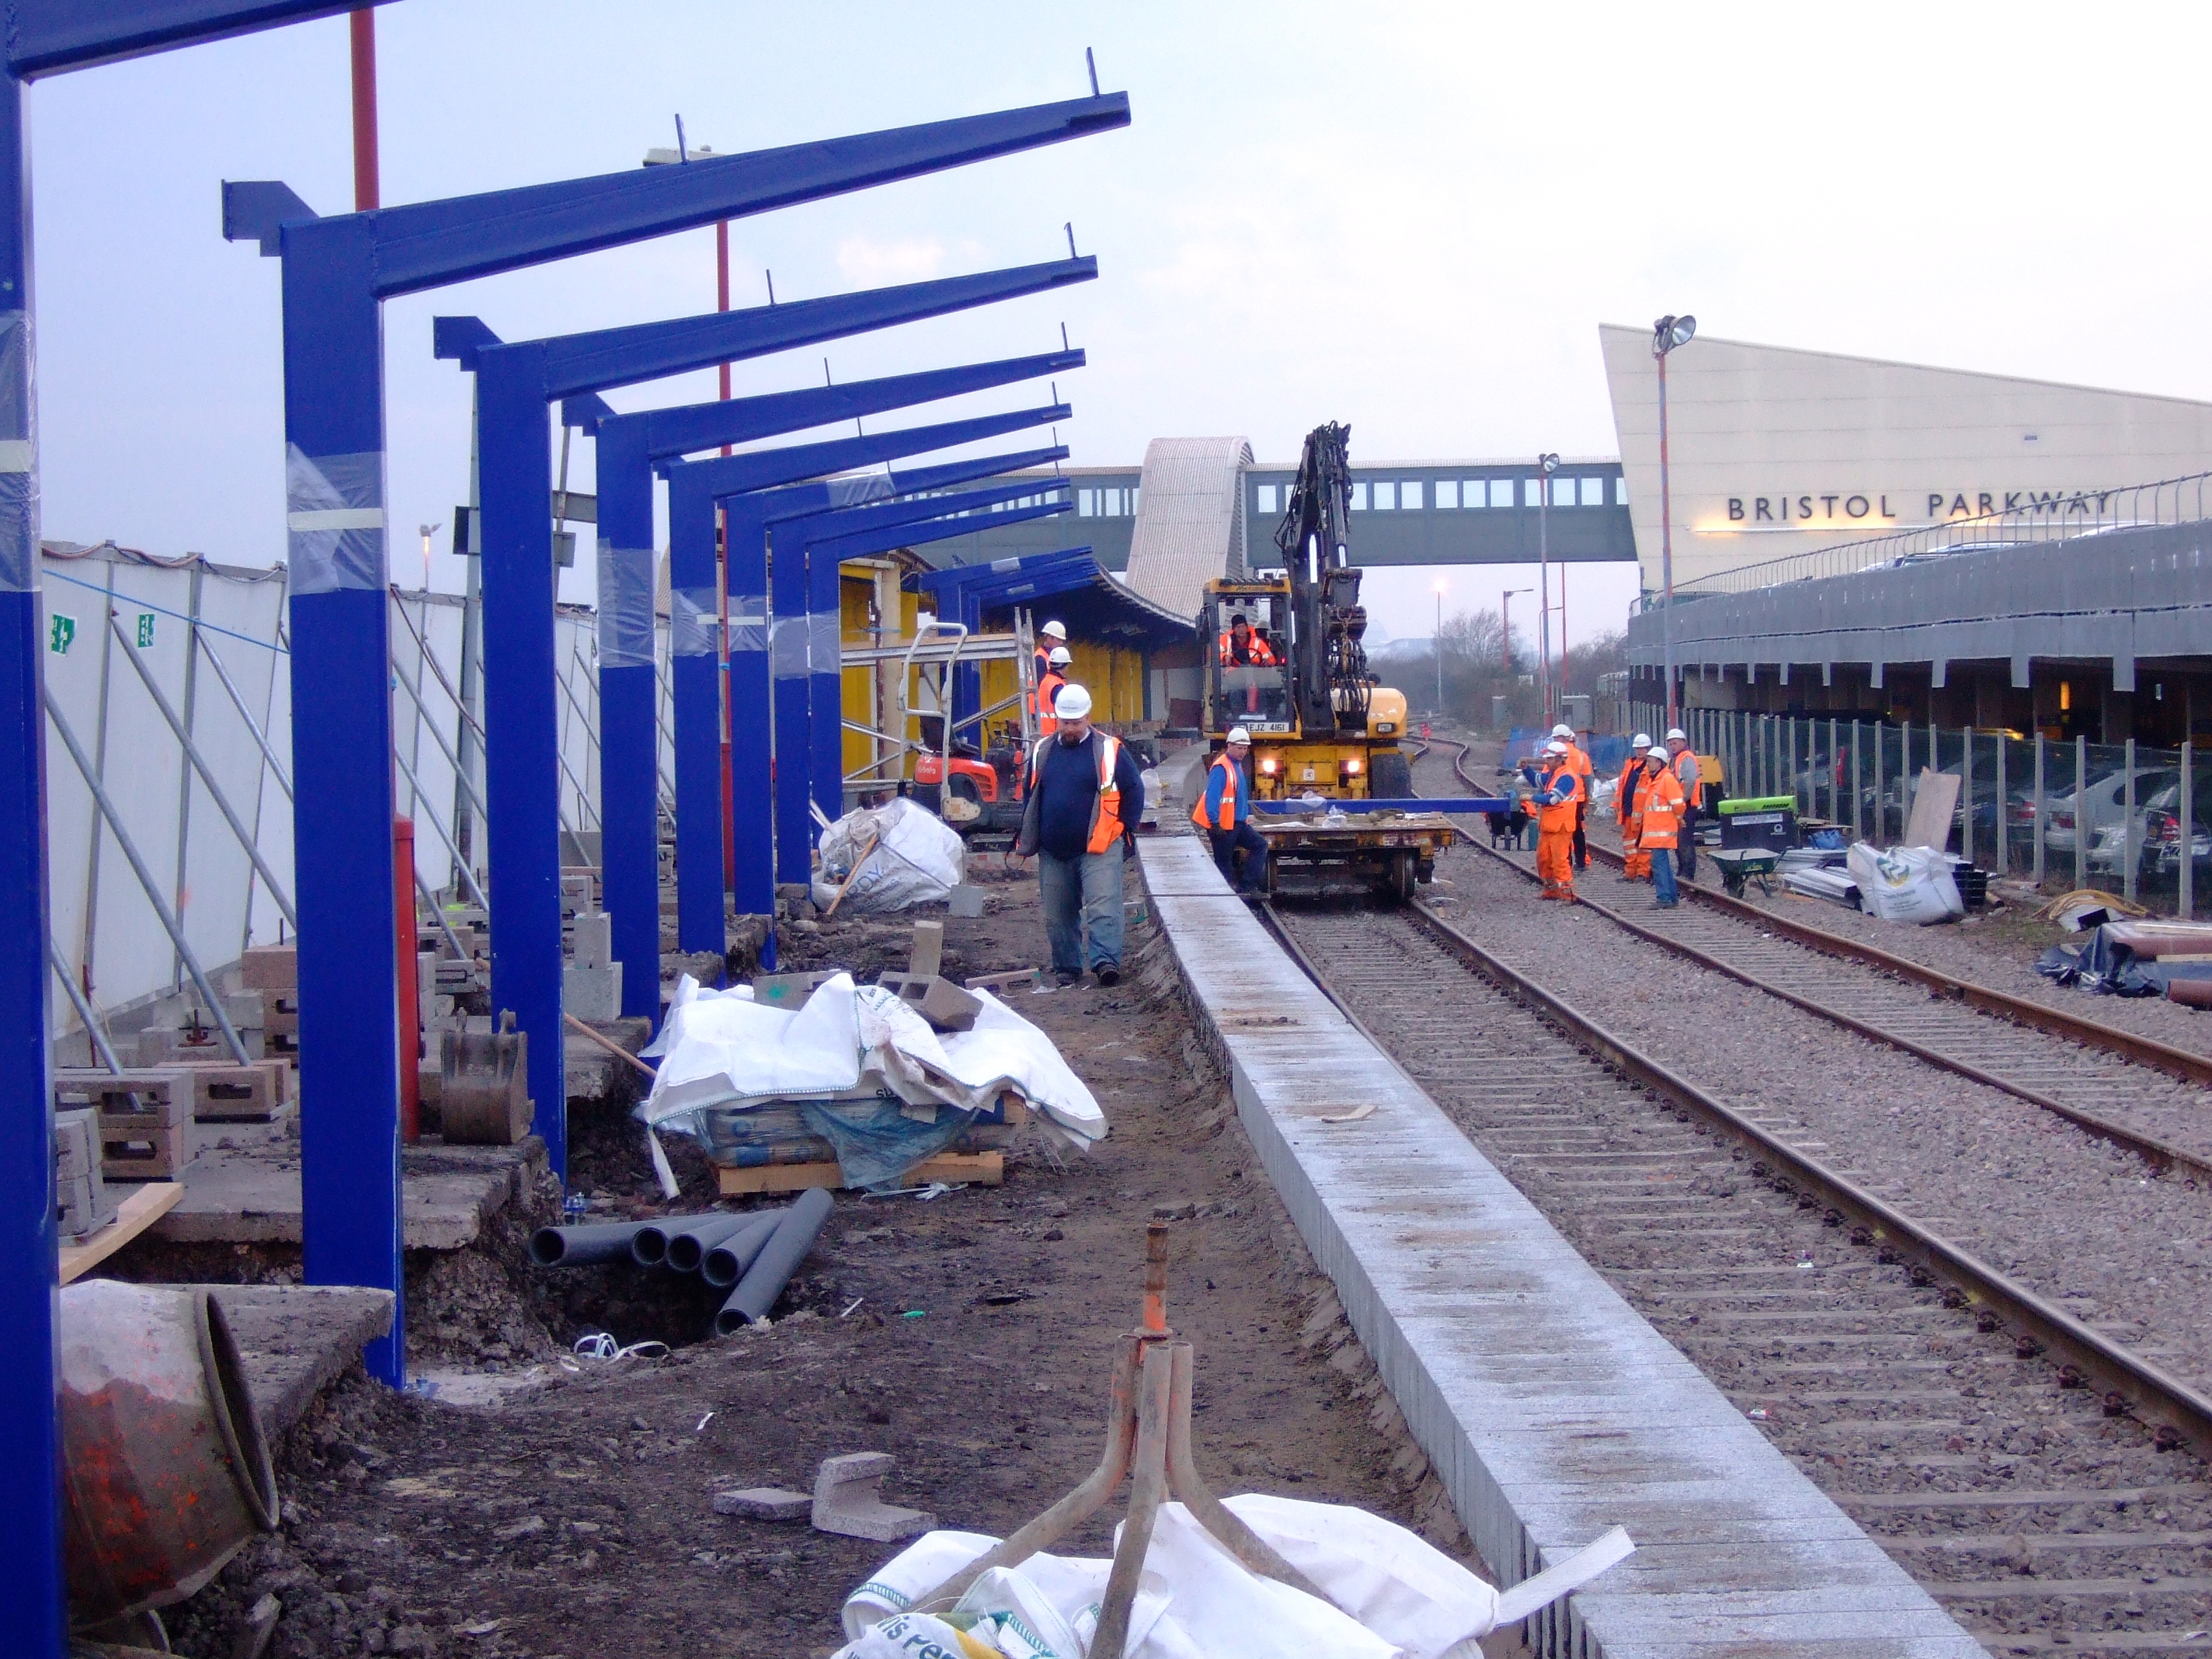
(1483, 1462)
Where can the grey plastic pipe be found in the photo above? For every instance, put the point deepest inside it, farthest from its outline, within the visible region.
(779, 1258)
(725, 1264)
(649, 1248)
(687, 1250)
(586, 1246)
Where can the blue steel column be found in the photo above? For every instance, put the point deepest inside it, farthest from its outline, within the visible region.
(629, 782)
(694, 673)
(744, 544)
(826, 689)
(522, 767)
(30, 1464)
(342, 766)
(789, 668)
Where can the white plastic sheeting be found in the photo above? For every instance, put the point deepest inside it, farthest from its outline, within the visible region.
(103, 927)
(1391, 1595)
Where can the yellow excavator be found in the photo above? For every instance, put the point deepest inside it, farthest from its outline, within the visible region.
(1283, 659)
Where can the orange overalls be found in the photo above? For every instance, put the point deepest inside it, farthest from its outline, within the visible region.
(1628, 807)
(1555, 801)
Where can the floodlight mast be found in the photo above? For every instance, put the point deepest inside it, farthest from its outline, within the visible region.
(1666, 334)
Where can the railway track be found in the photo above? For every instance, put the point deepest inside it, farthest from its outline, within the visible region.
(2038, 1480)
(2116, 1086)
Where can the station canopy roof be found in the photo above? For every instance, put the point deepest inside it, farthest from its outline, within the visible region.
(1070, 585)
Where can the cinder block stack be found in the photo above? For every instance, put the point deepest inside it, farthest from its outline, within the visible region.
(144, 1117)
(80, 1196)
(591, 984)
(273, 970)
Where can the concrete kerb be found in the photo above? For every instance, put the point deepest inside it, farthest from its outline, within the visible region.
(1546, 1406)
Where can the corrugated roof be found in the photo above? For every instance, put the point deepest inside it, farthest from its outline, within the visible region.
(1191, 519)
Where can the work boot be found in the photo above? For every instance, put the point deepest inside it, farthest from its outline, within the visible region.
(1109, 975)
(1066, 978)
(1662, 904)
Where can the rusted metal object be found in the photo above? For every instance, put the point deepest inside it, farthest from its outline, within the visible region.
(164, 1472)
(483, 1077)
(2190, 993)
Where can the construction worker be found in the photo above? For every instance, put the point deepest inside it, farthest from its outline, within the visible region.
(1049, 685)
(1557, 789)
(1665, 810)
(1684, 762)
(1628, 807)
(1053, 633)
(1580, 760)
(1083, 794)
(1224, 812)
(1244, 646)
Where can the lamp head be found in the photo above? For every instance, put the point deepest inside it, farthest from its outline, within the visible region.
(1671, 332)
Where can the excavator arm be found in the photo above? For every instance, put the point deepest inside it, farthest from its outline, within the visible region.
(1329, 680)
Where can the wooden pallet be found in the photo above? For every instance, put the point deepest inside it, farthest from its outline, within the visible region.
(136, 1213)
(979, 1169)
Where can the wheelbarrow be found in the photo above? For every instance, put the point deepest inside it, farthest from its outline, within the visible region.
(1742, 866)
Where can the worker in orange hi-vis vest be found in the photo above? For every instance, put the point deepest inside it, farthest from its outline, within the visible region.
(1557, 790)
(1683, 761)
(1048, 690)
(1664, 813)
(1052, 633)
(1628, 807)
(1579, 759)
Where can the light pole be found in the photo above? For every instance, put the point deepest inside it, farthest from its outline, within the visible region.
(1546, 466)
(1505, 623)
(1668, 333)
(1437, 646)
(426, 531)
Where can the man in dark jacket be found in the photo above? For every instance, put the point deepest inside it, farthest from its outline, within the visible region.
(1084, 795)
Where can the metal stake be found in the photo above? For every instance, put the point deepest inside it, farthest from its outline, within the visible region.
(2127, 820)
(2080, 813)
(2188, 833)
(2040, 811)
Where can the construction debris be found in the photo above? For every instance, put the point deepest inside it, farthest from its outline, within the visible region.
(764, 1504)
(888, 858)
(847, 1501)
(2172, 959)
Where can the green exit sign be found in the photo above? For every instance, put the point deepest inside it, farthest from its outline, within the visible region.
(62, 635)
(145, 630)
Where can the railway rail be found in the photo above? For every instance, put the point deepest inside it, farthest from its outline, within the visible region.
(2139, 1094)
(2045, 1484)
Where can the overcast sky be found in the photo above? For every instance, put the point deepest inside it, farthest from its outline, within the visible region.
(1411, 218)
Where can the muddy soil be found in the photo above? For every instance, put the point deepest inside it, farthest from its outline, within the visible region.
(968, 1335)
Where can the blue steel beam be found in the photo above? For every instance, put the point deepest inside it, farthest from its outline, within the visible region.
(44, 37)
(694, 489)
(49, 36)
(336, 272)
(628, 444)
(826, 552)
(694, 658)
(429, 245)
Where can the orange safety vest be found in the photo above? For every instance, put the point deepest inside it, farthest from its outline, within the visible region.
(1685, 767)
(1228, 787)
(1628, 797)
(1663, 806)
(1257, 654)
(1048, 700)
(1581, 762)
(1106, 811)
(1560, 816)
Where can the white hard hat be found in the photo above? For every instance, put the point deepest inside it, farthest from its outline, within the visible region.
(1563, 730)
(1239, 734)
(1641, 741)
(1059, 658)
(1074, 703)
(1657, 752)
(1675, 733)
(1555, 747)
(1057, 630)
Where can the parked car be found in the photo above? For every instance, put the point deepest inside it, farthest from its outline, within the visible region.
(2157, 826)
(2100, 805)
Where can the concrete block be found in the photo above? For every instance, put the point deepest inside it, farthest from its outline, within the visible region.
(77, 1143)
(846, 1501)
(1006, 985)
(938, 1000)
(965, 901)
(594, 940)
(270, 967)
(170, 1092)
(788, 990)
(929, 949)
(591, 993)
(764, 1504)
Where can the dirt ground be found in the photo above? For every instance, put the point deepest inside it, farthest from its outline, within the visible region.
(968, 1335)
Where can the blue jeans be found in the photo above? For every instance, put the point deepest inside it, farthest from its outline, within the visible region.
(1082, 895)
(1225, 843)
(1662, 874)
(1686, 842)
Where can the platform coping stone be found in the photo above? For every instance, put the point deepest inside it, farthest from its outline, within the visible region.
(1549, 1408)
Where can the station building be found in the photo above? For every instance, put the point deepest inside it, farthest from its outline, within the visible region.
(1854, 536)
